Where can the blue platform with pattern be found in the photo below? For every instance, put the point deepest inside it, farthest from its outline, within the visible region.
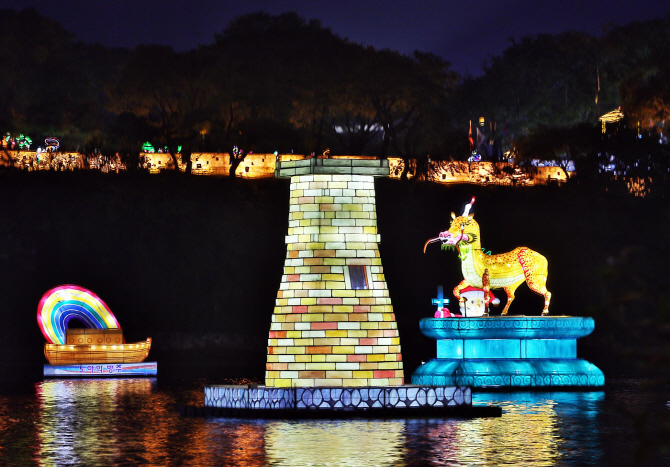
(508, 352)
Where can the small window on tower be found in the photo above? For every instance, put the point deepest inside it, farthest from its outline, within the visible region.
(358, 277)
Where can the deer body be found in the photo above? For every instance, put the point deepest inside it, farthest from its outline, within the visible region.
(505, 271)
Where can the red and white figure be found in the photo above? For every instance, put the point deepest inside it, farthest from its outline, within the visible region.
(473, 302)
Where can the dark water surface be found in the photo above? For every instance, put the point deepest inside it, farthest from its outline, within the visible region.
(102, 422)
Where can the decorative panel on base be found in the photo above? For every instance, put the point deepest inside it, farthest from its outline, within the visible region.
(110, 370)
(514, 351)
(336, 398)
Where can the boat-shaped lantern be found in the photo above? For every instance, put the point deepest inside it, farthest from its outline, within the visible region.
(98, 346)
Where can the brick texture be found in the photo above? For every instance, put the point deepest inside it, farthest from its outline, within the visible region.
(332, 325)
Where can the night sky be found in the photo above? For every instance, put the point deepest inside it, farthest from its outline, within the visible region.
(463, 32)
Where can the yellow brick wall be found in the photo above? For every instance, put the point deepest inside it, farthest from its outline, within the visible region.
(323, 332)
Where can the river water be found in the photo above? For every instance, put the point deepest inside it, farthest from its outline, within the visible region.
(100, 422)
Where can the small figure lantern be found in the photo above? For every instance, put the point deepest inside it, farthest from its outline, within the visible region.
(441, 302)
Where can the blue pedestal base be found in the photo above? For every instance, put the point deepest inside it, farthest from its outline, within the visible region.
(526, 373)
(508, 352)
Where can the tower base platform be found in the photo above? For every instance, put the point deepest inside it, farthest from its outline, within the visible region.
(508, 352)
(339, 402)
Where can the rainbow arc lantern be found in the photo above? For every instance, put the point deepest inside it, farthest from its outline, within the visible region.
(61, 304)
(100, 341)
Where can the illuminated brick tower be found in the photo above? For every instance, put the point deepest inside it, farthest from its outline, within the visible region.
(333, 323)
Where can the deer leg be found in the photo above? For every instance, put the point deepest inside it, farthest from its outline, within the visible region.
(457, 290)
(547, 298)
(536, 283)
(509, 290)
(487, 301)
(486, 285)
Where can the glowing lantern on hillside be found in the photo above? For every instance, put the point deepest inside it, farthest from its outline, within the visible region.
(611, 117)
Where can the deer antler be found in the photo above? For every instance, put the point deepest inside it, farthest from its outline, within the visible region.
(468, 207)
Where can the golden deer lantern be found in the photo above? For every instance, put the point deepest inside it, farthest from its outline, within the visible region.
(505, 271)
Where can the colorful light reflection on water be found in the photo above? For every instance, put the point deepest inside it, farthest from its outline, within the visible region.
(135, 422)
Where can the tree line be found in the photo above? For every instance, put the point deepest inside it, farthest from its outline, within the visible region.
(282, 83)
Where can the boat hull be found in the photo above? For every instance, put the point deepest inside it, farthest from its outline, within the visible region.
(80, 354)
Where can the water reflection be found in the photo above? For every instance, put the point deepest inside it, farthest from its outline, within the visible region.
(111, 422)
(235, 442)
(535, 429)
(79, 421)
(135, 422)
(335, 443)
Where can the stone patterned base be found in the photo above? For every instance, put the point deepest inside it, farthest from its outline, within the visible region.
(340, 398)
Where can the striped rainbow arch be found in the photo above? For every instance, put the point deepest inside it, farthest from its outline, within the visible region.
(65, 302)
